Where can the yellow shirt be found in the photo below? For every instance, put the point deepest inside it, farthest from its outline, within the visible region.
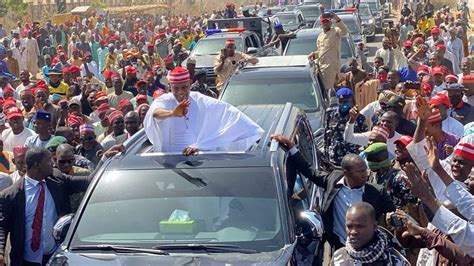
(186, 42)
(62, 89)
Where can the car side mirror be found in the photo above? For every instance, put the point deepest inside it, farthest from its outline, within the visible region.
(315, 222)
(61, 227)
(252, 50)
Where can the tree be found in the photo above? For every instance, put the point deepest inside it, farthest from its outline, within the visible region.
(17, 7)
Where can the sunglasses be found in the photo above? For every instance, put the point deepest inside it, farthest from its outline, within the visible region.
(88, 138)
(70, 161)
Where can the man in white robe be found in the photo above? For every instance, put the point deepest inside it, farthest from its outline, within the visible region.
(190, 121)
(32, 54)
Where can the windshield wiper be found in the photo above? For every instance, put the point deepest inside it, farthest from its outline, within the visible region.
(211, 248)
(119, 249)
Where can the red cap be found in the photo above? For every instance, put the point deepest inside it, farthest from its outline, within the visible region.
(13, 112)
(66, 70)
(108, 74)
(423, 69)
(115, 115)
(99, 96)
(438, 70)
(407, 43)
(19, 151)
(440, 98)
(468, 79)
(404, 140)
(131, 70)
(150, 46)
(435, 30)
(451, 78)
(8, 104)
(427, 88)
(141, 97)
(465, 150)
(324, 20)
(103, 108)
(8, 89)
(440, 46)
(74, 120)
(140, 82)
(123, 102)
(178, 75)
(74, 69)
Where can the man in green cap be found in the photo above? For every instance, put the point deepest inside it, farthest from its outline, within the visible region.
(386, 176)
(80, 161)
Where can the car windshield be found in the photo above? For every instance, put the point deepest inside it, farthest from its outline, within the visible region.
(364, 11)
(186, 206)
(295, 88)
(351, 24)
(304, 46)
(310, 12)
(287, 20)
(212, 46)
(372, 5)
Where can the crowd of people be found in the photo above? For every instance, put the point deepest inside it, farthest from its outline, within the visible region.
(398, 145)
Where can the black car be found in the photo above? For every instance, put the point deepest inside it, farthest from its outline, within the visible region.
(215, 208)
(277, 80)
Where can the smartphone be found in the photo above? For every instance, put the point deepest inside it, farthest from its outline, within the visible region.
(396, 222)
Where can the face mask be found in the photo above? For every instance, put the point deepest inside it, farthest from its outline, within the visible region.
(344, 107)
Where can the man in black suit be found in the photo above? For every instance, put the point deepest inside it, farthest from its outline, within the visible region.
(30, 207)
(342, 190)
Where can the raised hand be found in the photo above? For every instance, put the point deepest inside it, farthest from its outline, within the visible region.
(353, 114)
(419, 184)
(181, 109)
(432, 152)
(424, 109)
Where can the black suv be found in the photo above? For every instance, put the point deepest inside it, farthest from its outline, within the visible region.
(147, 208)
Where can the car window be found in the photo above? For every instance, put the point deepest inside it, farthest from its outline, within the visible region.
(297, 89)
(248, 42)
(346, 50)
(287, 19)
(301, 46)
(351, 25)
(304, 46)
(364, 11)
(232, 206)
(254, 40)
(212, 46)
(310, 12)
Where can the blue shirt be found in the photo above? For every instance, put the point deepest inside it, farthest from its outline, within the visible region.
(47, 244)
(406, 73)
(345, 198)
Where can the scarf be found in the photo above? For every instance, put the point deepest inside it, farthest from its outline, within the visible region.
(371, 253)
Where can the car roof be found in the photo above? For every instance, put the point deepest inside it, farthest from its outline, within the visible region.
(226, 35)
(315, 5)
(280, 61)
(271, 118)
(308, 32)
(286, 13)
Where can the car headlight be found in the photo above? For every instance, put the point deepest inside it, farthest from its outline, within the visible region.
(370, 21)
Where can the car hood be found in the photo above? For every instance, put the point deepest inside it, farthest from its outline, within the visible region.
(203, 61)
(279, 257)
(366, 18)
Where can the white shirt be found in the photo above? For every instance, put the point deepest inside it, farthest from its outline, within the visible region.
(468, 99)
(92, 68)
(345, 198)
(369, 111)
(453, 126)
(461, 231)
(362, 139)
(11, 140)
(462, 199)
(438, 89)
